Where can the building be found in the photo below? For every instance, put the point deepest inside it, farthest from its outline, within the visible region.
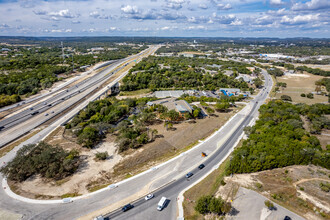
(230, 91)
(180, 106)
(169, 93)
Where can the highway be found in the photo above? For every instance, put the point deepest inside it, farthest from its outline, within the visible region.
(31, 117)
(169, 176)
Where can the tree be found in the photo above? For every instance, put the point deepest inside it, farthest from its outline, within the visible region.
(88, 137)
(173, 115)
(196, 112)
(310, 95)
(101, 155)
(222, 106)
(286, 98)
(257, 82)
(153, 133)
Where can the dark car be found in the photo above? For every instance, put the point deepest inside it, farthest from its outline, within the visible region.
(188, 175)
(201, 166)
(127, 207)
(287, 218)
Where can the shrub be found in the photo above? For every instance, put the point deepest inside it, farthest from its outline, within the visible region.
(210, 204)
(325, 187)
(43, 159)
(303, 95)
(286, 98)
(101, 155)
(269, 205)
(310, 95)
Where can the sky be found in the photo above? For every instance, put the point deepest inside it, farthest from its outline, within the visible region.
(167, 18)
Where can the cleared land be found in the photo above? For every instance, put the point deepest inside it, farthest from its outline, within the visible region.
(298, 84)
(93, 175)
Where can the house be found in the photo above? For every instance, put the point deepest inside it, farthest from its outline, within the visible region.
(180, 106)
(230, 91)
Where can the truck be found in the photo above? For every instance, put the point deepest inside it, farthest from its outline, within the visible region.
(161, 203)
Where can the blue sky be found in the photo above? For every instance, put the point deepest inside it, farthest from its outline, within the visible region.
(177, 18)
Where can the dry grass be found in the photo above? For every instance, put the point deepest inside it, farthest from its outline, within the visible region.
(299, 84)
(134, 93)
(168, 145)
(295, 188)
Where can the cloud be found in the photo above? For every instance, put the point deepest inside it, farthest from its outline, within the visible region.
(276, 2)
(223, 19)
(224, 6)
(40, 12)
(312, 5)
(236, 22)
(199, 27)
(203, 6)
(61, 31)
(65, 13)
(97, 15)
(173, 6)
(128, 9)
(300, 19)
(75, 22)
(112, 29)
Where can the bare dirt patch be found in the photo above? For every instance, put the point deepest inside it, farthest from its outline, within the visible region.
(294, 187)
(75, 185)
(301, 83)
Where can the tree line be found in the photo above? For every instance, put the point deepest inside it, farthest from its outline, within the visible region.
(278, 138)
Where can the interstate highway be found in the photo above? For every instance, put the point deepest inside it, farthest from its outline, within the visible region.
(28, 119)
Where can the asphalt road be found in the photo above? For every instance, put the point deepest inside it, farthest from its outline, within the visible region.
(28, 119)
(148, 209)
(172, 172)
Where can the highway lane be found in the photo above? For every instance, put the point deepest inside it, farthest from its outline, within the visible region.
(57, 88)
(127, 191)
(25, 121)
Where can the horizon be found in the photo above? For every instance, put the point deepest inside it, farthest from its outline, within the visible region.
(165, 18)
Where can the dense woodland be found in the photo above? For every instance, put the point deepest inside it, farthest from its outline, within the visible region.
(279, 139)
(43, 159)
(181, 73)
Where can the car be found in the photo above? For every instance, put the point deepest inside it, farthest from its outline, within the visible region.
(46, 114)
(49, 104)
(201, 166)
(31, 109)
(45, 103)
(287, 218)
(127, 207)
(190, 174)
(1, 127)
(150, 196)
(52, 112)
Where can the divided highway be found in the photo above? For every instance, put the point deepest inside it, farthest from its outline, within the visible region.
(22, 122)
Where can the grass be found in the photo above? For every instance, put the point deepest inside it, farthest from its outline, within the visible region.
(68, 195)
(133, 93)
(8, 148)
(98, 187)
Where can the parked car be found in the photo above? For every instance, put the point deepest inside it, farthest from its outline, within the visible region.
(287, 218)
(150, 196)
(201, 166)
(190, 174)
(127, 207)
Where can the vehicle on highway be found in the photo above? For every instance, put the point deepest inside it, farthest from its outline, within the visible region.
(49, 104)
(127, 207)
(150, 196)
(34, 113)
(287, 218)
(204, 154)
(190, 174)
(45, 103)
(161, 204)
(201, 166)
(67, 90)
(1, 127)
(99, 218)
(52, 112)
(46, 114)
(31, 109)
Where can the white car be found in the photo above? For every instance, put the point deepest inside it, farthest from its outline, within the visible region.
(150, 196)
